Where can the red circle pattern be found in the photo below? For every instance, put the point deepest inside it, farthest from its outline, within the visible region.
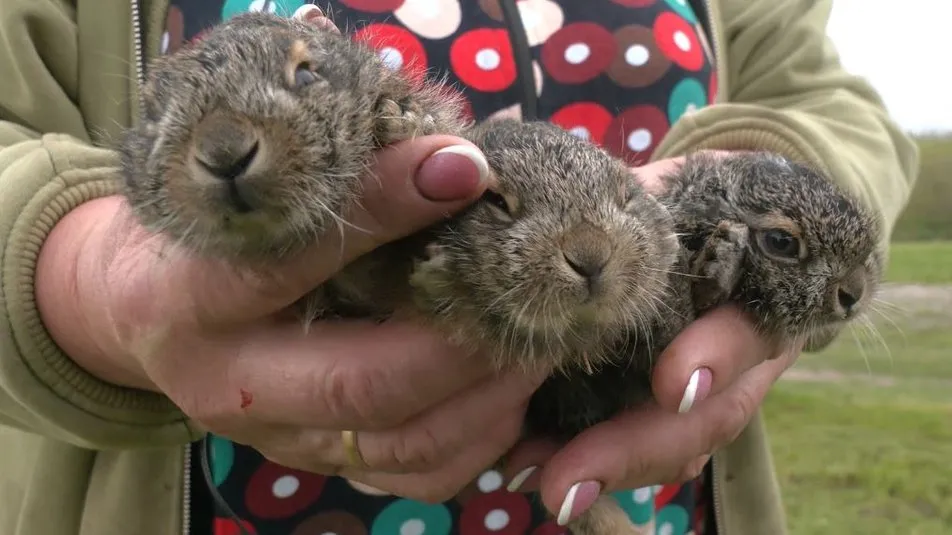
(490, 47)
(472, 521)
(227, 526)
(591, 116)
(594, 43)
(260, 498)
(373, 6)
(678, 40)
(645, 117)
(412, 53)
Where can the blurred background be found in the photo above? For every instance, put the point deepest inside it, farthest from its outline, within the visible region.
(862, 433)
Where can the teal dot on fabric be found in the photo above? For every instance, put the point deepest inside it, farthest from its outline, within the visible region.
(674, 516)
(284, 8)
(638, 503)
(408, 517)
(687, 94)
(221, 458)
(684, 9)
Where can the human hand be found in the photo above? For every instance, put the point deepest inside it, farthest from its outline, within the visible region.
(214, 339)
(707, 385)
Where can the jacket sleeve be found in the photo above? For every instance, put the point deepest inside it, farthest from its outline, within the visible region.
(786, 92)
(48, 166)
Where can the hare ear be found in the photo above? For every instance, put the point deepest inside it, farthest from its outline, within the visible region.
(313, 15)
(719, 264)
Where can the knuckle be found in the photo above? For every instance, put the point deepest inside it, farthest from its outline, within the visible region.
(351, 394)
(735, 418)
(692, 470)
(418, 450)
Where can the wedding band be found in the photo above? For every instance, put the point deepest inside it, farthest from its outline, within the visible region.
(349, 438)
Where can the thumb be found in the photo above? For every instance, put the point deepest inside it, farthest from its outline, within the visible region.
(411, 185)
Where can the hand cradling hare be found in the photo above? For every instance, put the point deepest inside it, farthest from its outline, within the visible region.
(253, 142)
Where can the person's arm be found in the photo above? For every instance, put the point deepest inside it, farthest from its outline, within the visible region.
(48, 167)
(789, 94)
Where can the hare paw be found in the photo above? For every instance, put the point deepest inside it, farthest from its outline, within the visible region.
(719, 264)
(399, 121)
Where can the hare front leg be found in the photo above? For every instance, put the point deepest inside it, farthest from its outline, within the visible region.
(718, 265)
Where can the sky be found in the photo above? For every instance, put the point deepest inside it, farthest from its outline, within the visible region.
(905, 53)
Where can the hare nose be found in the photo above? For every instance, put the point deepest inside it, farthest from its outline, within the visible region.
(586, 250)
(225, 146)
(850, 292)
(588, 266)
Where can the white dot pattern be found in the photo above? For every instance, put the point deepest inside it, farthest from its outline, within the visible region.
(577, 53)
(682, 41)
(487, 59)
(414, 526)
(489, 481)
(496, 520)
(637, 55)
(639, 140)
(285, 486)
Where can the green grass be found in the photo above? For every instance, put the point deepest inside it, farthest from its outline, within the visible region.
(923, 262)
(927, 216)
(862, 434)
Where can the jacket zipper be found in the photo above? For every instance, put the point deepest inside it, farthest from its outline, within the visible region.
(138, 48)
(187, 490)
(140, 80)
(716, 48)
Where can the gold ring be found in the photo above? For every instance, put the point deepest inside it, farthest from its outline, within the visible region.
(349, 438)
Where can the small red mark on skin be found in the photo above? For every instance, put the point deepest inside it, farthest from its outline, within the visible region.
(246, 398)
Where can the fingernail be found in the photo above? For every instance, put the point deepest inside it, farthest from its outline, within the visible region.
(520, 479)
(577, 500)
(452, 173)
(699, 386)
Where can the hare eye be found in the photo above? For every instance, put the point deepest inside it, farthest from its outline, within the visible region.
(498, 202)
(780, 243)
(304, 75)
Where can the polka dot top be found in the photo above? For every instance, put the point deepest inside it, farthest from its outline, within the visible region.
(615, 72)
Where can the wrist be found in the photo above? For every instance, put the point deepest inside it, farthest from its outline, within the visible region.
(72, 293)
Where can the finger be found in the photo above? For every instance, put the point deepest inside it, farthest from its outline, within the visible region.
(412, 185)
(692, 470)
(433, 437)
(449, 479)
(650, 175)
(338, 375)
(521, 470)
(707, 357)
(422, 444)
(609, 455)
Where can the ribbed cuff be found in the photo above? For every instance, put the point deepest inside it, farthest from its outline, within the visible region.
(50, 385)
(738, 127)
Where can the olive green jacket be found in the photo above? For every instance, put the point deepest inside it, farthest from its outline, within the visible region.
(79, 456)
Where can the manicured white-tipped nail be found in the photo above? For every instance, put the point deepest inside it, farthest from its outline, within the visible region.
(473, 154)
(520, 479)
(687, 401)
(565, 512)
(699, 386)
